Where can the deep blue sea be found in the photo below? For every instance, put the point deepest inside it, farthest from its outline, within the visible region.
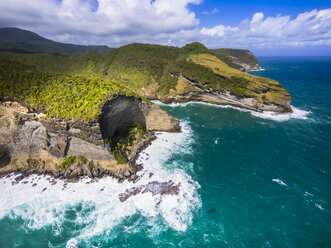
(246, 180)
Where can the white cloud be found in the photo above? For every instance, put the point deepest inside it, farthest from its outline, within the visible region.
(257, 17)
(218, 30)
(111, 17)
(307, 29)
(168, 22)
(213, 12)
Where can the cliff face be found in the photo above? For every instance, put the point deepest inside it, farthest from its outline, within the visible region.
(30, 143)
(199, 94)
(244, 66)
(247, 91)
(120, 114)
(243, 60)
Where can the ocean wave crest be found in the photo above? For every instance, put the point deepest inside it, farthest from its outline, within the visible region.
(297, 114)
(280, 182)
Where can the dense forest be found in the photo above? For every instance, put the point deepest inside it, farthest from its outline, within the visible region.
(76, 85)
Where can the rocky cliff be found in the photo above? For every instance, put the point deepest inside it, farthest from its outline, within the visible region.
(196, 93)
(243, 60)
(245, 91)
(31, 143)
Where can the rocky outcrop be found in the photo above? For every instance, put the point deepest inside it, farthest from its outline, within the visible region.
(159, 120)
(243, 60)
(245, 66)
(155, 188)
(120, 114)
(30, 143)
(199, 94)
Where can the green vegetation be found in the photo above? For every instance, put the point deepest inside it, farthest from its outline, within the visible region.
(242, 83)
(90, 165)
(140, 129)
(77, 86)
(118, 152)
(81, 159)
(32, 163)
(68, 162)
(228, 56)
(58, 95)
(195, 48)
(108, 141)
(121, 145)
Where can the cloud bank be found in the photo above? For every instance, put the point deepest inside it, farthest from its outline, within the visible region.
(307, 29)
(118, 22)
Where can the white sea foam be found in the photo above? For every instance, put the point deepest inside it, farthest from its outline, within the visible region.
(297, 113)
(261, 69)
(200, 103)
(319, 206)
(280, 182)
(97, 206)
(72, 243)
(308, 194)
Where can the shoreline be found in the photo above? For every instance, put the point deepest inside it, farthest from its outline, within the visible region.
(270, 115)
(131, 174)
(33, 145)
(170, 196)
(97, 173)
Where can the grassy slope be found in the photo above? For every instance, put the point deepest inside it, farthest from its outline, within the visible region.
(254, 86)
(226, 55)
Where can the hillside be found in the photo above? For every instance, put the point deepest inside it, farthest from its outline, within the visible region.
(240, 59)
(67, 117)
(57, 95)
(95, 107)
(170, 74)
(23, 41)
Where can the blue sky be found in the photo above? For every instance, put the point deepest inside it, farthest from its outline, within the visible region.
(233, 12)
(265, 27)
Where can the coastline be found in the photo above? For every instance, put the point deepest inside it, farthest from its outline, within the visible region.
(31, 144)
(129, 172)
(97, 173)
(151, 192)
(276, 198)
(271, 115)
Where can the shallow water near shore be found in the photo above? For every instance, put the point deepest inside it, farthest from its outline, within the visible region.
(246, 180)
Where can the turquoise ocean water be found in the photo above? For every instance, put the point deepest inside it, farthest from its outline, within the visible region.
(246, 180)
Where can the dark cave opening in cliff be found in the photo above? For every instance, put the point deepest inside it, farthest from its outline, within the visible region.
(119, 115)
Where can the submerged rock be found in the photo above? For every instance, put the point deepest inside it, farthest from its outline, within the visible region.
(155, 187)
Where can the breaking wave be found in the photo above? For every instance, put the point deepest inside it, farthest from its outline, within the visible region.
(296, 114)
(94, 208)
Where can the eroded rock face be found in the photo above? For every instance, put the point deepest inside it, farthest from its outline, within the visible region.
(245, 66)
(158, 119)
(31, 137)
(79, 147)
(31, 144)
(122, 113)
(200, 94)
